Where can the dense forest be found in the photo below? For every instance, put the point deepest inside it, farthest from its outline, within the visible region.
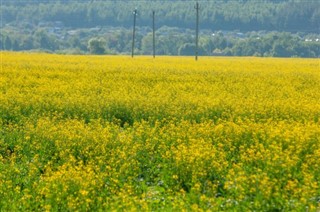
(222, 15)
(69, 24)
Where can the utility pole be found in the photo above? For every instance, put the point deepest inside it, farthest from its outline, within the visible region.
(153, 34)
(197, 7)
(134, 30)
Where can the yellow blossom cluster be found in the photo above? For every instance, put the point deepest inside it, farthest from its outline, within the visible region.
(98, 133)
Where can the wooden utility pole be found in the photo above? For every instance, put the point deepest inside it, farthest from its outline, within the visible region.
(134, 31)
(197, 7)
(153, 34)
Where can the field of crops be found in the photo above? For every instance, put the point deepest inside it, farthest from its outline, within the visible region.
(116, 133)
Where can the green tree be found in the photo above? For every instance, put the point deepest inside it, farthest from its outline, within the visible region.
(27, 43)
(97, 46)
(45, 41)
(7, 43)
(219, 41)
(147, 44)
(187, 49)
(1, 42)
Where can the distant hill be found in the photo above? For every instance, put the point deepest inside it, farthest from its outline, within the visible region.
(245, 15)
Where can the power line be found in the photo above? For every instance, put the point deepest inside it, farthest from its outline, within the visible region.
(197, 7)
(134, 30)
(153, 34)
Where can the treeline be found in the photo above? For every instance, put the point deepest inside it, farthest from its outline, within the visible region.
(169, 41)
(245, 15)
(282, 28)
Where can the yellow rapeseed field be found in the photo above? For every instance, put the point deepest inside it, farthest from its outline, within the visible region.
(99, 133)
